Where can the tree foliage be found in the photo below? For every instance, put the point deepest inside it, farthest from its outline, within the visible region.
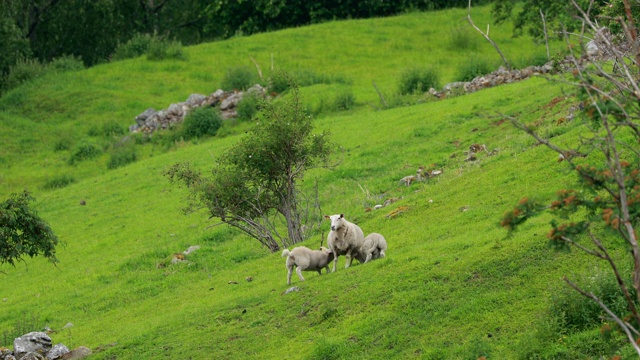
(603, 210)
(255, 186)
(561, 16)
(23, 232)
(93, 29)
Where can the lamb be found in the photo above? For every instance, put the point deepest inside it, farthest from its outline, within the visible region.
(306, 259)
(345, 238)
(374, 247)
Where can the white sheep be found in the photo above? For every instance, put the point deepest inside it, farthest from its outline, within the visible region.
(374, 247)
(345, 238)
(306, 259)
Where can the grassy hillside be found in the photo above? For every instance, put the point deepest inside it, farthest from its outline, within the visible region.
(452, 285)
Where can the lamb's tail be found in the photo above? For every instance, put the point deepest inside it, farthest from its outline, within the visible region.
(286, 252)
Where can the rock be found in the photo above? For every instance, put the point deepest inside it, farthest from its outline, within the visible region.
(140, 119)
(77, 353)
(195, 100)
(230, 102)
(191, 249)
(34, 355)
(291, 289)
(57, 351)
(32, 342)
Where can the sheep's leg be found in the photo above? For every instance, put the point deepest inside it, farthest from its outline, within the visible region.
(299, 271)
(335, 263)
(348, 261)
(289, 275)
(369, 255)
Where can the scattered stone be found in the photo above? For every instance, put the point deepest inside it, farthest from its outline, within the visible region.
(232, 282)
(249, 278)
(291, 289)
(191, 249)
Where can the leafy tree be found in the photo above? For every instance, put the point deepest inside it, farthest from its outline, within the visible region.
(255, 185)
(603, 210)
(560, 16)
(23, 232)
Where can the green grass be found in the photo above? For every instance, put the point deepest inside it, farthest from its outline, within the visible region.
(452, 285)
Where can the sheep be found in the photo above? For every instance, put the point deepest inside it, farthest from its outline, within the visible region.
(374, 247)
(345, 238)
(306, 259)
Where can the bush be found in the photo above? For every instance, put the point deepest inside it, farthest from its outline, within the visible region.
(66, 63)
(418, 81)
(248, 107)
(238, 78)
(278, 83)
(84, 151)
(138, 45)
(344, 100)
(23, 71)
(473, 68)
(462, 39)
(160, 49)
(577, 313)
(58, 182)
(121, 156)
(201, 121)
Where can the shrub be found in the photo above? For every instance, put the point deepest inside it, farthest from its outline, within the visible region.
(59, 181)
(473, 68)
(576, 312)
(238, 78)
(23, 71)
(63, 144)
(66, 63)
(462, 39)
(248, 107)
(278, 83)
(201, 121)
(138, 45)
(418, 81)
(84, 151)
(160, 49)
(344, 100)
(121, 156)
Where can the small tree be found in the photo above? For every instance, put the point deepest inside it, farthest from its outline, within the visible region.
(23, 232)
(255, 185)
(605, 206)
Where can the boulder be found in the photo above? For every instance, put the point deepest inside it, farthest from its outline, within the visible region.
(57, 351)
(33, 342)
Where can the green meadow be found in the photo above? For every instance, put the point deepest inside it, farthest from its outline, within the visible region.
(453, 284)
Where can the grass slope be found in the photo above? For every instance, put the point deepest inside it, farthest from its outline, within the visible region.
(452, 286)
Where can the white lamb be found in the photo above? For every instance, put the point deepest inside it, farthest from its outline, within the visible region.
(374, 247)
(306, 259)
(345, 238)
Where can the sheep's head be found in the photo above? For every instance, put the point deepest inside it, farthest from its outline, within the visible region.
(327, 251)
(336, 221)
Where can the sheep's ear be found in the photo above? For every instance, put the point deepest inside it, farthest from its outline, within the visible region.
(327, 217)
(341, 216)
